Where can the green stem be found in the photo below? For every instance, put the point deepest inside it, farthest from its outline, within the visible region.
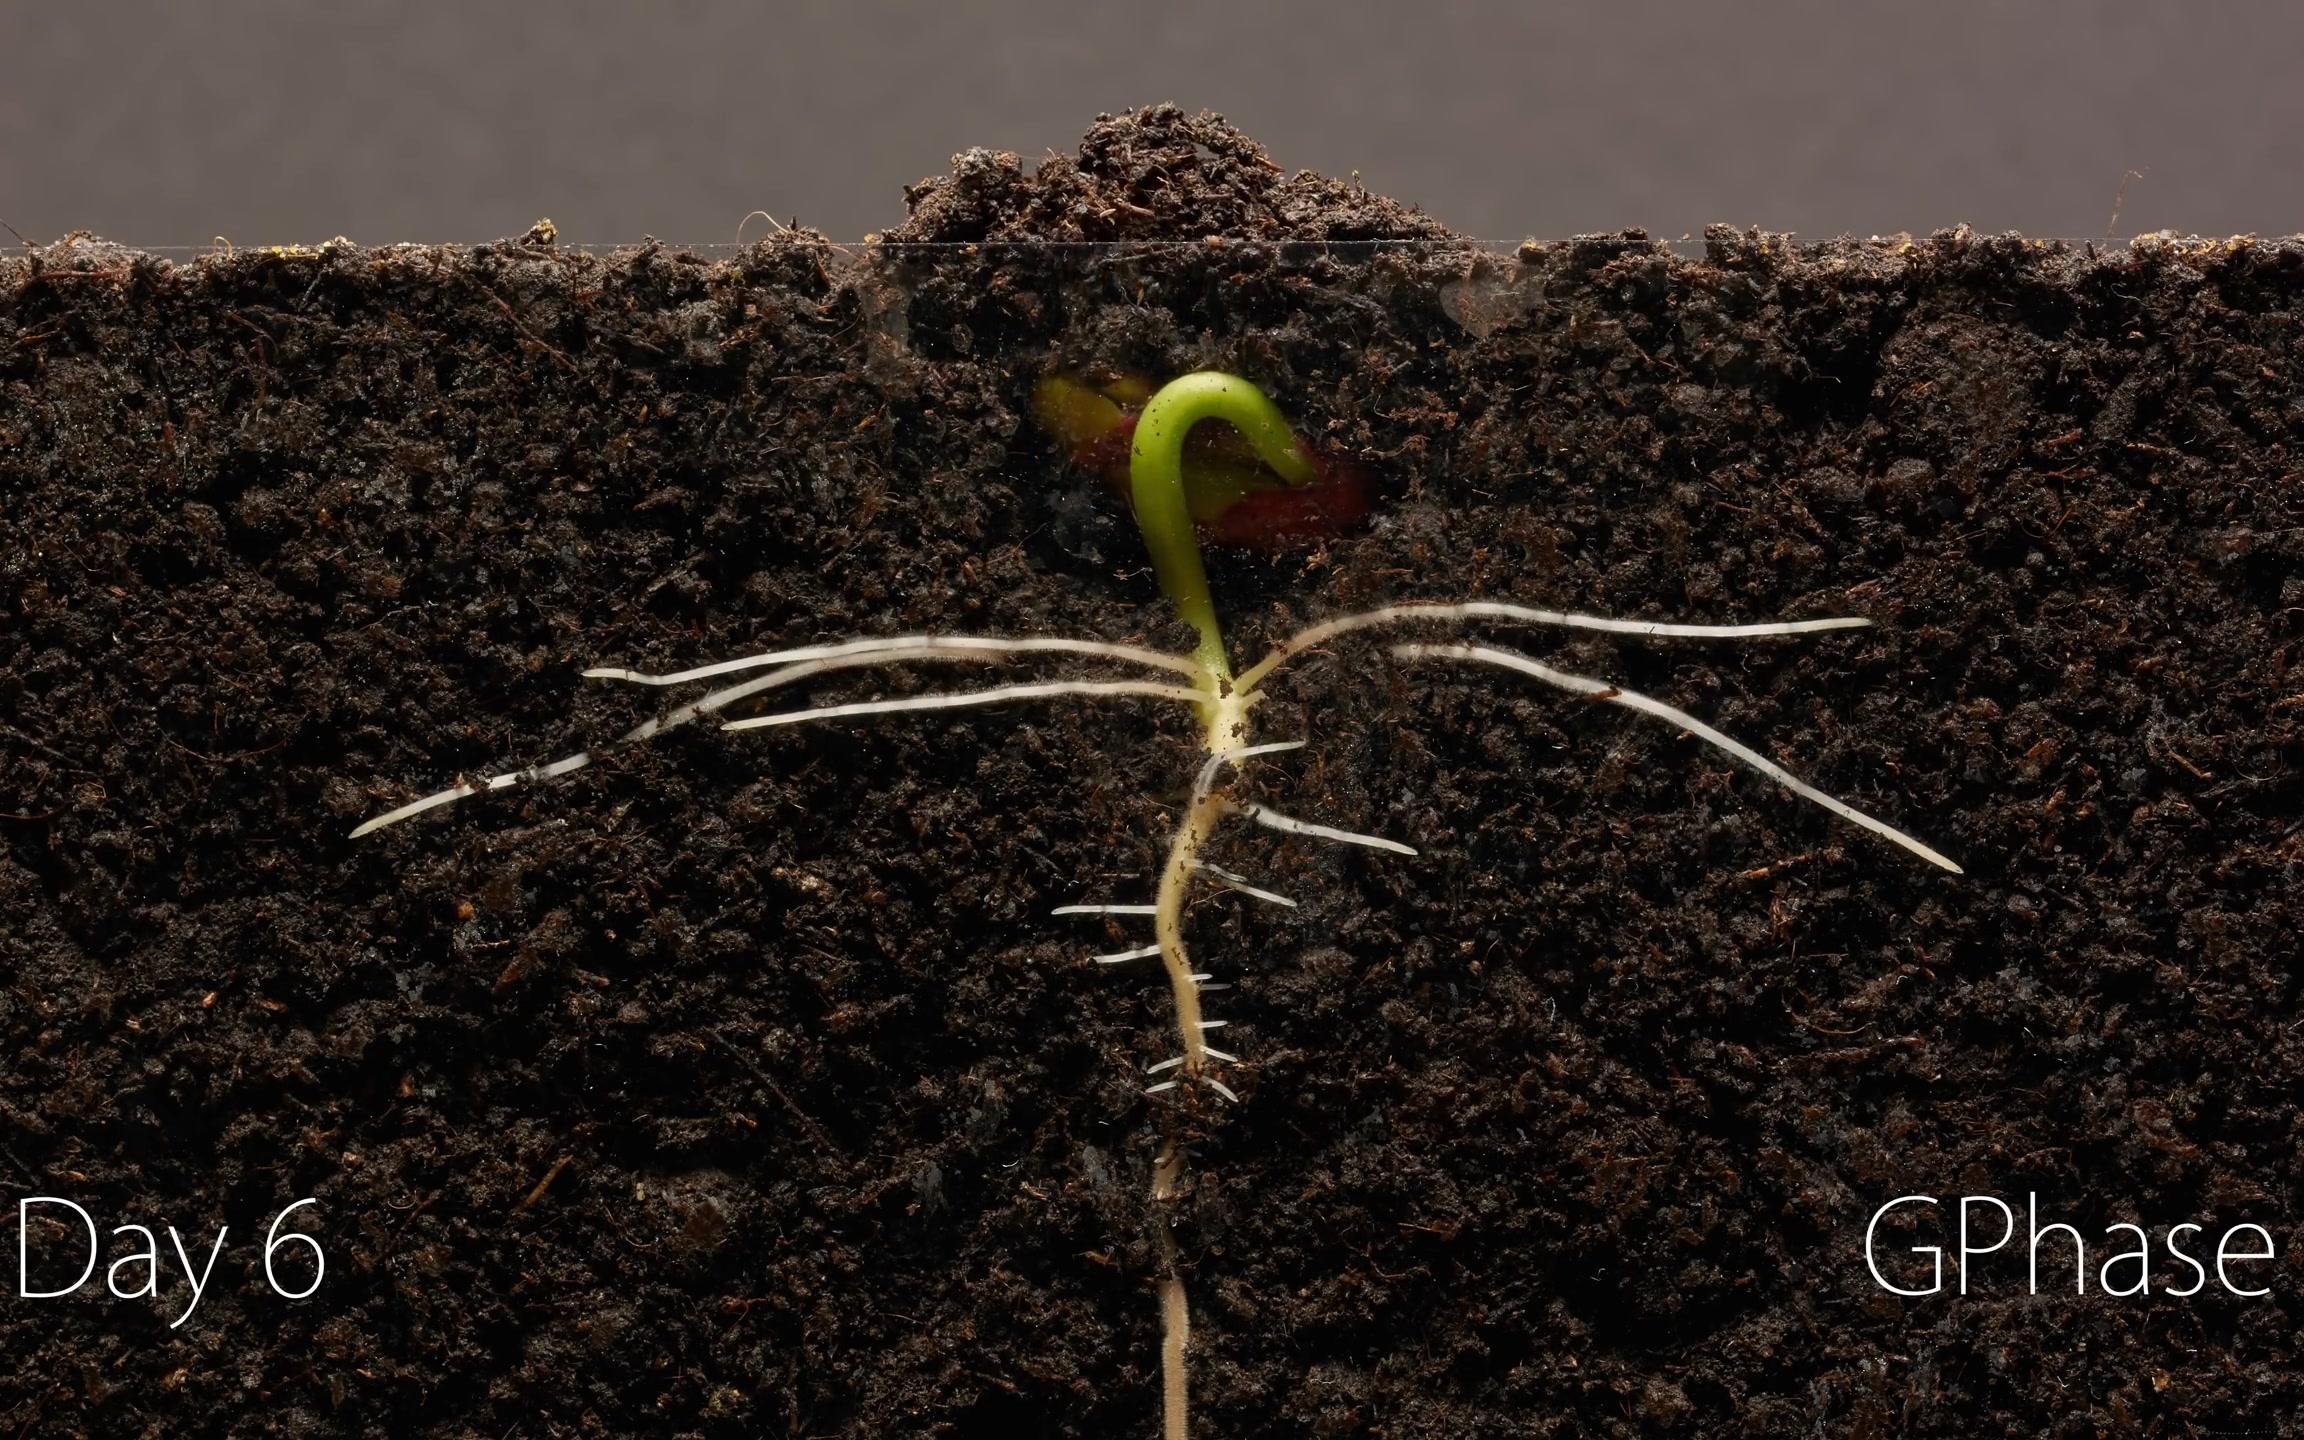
(1156, 480)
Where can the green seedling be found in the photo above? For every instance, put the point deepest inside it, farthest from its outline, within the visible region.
(1235, 497)
(1224, 703)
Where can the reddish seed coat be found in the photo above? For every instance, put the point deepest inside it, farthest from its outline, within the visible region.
(1334, 503)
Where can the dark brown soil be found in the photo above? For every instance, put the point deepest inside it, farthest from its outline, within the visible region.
(1569, 1127)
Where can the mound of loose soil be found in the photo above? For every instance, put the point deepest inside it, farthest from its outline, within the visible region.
(743, 1084)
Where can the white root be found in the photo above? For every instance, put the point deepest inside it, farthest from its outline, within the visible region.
(1240, 884)
(1419, 611)
(998, 695)
(1117, 957)
(433, 802)
(1272, 819)
(805, 664)
(1221, 758)
(954, 647)
(566, 766)
(1632, 700)
(722, 698)
(1105, 910)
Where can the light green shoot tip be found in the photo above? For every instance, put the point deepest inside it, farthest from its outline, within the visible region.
(1156, 480)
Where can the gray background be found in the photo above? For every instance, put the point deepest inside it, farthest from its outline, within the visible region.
(272, 122)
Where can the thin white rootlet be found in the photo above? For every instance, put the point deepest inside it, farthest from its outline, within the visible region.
(810, 661)
(998, 695)
(1272, 819)
(955, 646)
(1633, 700)
(1240, 884)
(1417, 611)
